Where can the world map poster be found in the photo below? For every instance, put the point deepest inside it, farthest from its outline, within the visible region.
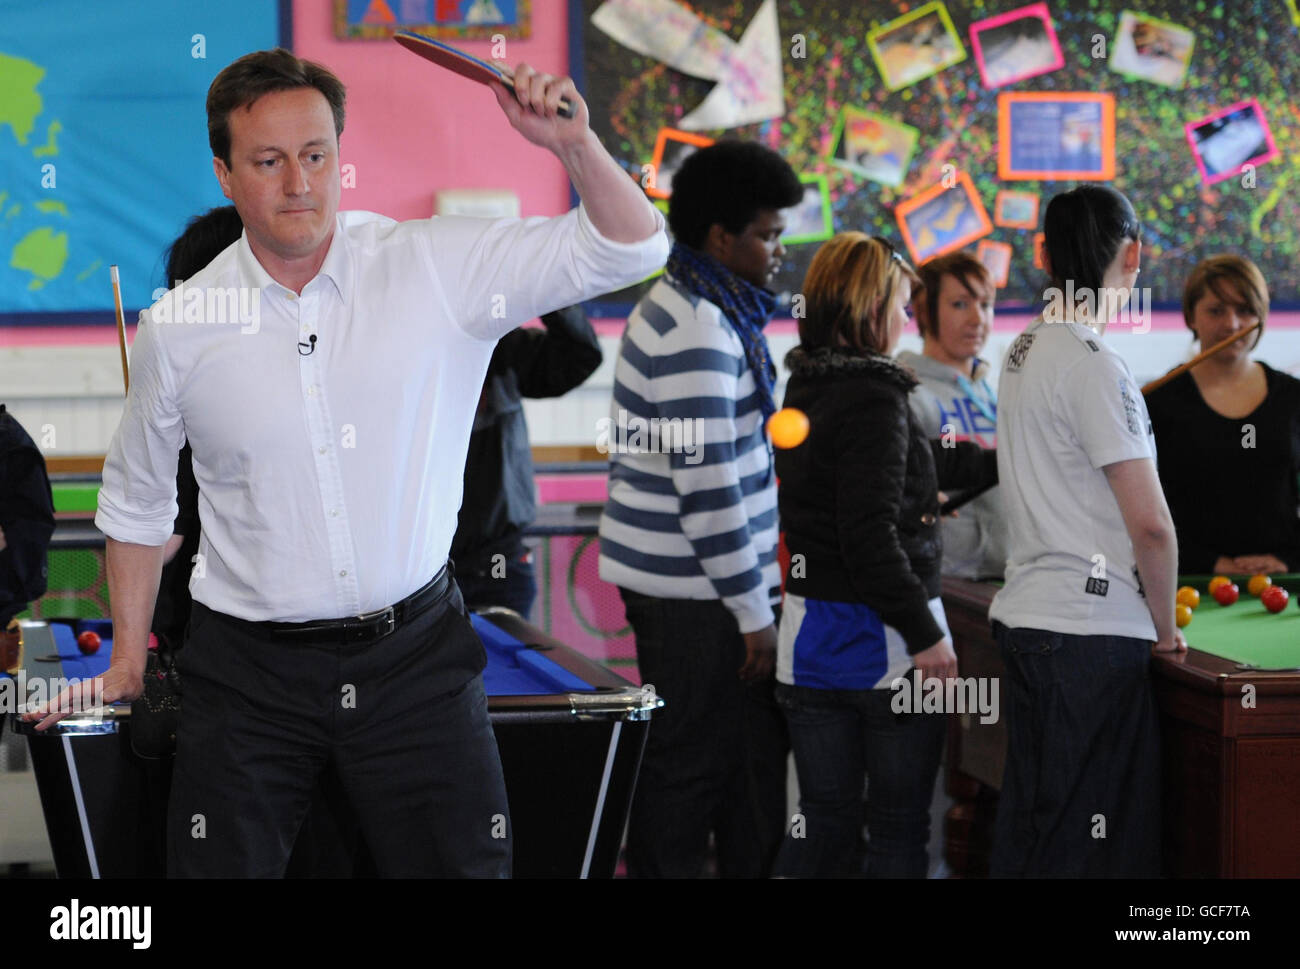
(103, 143)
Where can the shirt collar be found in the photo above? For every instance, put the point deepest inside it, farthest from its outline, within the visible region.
(337, 267)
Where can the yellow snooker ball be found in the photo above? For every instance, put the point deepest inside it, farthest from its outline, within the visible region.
(1217, 581)
(1189, 597)
(788, 427)
(1182, 615)
(1257, 584)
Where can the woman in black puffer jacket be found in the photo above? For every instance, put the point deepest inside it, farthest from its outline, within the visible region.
(859, 507)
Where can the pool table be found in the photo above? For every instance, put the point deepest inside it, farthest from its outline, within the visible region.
(1230, 730)
(570, 732)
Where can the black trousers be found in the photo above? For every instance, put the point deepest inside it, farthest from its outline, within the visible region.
(715, 762)
(1081, 791)
(401, 721)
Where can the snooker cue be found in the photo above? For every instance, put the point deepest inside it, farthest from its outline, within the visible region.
(121, 325)
(953, 504)
(1203, 355)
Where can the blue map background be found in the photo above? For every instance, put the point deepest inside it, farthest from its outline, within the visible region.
(131, 157)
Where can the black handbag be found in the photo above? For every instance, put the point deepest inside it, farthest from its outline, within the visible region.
(155, 714)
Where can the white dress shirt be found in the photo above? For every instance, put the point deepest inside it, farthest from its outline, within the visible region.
(329, 483)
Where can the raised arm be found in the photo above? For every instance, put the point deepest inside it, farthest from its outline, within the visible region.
(614, 201)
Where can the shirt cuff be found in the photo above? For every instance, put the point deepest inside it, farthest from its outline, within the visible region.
(639, 258)
(752, 611)
(134, 530)
(1116, 455)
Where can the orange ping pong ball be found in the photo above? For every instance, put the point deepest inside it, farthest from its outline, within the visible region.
(788, 427)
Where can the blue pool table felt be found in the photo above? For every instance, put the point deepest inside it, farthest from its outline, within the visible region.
(513, 669)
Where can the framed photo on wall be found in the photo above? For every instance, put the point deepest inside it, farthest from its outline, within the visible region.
(1056, 136)
(943, 218)
(443, 19)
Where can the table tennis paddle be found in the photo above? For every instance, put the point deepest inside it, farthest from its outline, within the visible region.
(466, 65)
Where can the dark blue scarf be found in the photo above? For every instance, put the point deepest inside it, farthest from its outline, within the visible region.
(746, 307)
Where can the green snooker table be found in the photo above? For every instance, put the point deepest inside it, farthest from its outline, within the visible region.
(1230, 732)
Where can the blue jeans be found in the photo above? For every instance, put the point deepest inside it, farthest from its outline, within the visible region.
(842, 738)
(1081, 792)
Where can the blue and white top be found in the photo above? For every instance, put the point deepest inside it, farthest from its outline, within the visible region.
(692, 496)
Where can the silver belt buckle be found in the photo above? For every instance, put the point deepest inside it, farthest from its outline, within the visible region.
(385, 614)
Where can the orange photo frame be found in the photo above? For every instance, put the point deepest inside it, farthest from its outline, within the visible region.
(1014, 209)
(676, 146)
(996, 257)
(1032, 133)
(943, 218)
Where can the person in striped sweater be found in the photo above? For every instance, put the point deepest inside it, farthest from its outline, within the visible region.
(689, 533)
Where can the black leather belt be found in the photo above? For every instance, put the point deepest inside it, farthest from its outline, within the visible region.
(365, 628)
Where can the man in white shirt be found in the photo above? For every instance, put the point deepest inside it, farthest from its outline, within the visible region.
(329, 423)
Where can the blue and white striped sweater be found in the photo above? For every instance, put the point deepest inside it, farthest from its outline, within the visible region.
(692, 505)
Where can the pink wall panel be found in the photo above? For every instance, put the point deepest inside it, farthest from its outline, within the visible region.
(413, 129)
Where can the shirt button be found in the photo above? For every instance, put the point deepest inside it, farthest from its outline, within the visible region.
(928, 519)
(311, 391)
(323, 450)
(334, 513)
(343, 574)
(291, 295)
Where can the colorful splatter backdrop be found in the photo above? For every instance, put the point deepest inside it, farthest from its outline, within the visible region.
(1246, 49)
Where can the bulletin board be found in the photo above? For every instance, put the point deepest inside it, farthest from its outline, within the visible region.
(950, 125)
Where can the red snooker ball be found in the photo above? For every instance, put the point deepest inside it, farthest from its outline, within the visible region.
(88, 642)
(1226, 595)
(1275, 598)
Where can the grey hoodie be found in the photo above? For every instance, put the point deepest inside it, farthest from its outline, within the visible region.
(975, 542)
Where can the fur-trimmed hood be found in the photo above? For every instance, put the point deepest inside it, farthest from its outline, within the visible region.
(836, 361)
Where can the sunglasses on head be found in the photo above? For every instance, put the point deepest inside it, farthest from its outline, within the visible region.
(893, 253)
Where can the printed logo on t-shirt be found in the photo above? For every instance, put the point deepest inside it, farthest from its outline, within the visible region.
(1138, 579)
(1130, 408)
(1019, 350)
(1096, 587)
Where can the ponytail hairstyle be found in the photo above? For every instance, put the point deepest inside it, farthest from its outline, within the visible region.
(1084, 229)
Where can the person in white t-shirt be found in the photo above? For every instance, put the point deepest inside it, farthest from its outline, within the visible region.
(1091, 569)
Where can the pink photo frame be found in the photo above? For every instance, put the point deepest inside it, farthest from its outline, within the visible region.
(1222, 172)
(994, 77)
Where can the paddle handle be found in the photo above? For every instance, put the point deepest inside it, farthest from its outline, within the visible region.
(508, 78)
(952, 504)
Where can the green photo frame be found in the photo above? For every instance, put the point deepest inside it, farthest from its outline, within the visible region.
(873, 146)
(915, 46)
(810, 220)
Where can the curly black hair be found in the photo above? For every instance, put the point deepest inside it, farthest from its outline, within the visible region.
(729, 183)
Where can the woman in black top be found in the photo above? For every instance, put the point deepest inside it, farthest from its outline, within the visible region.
(860, 510)
(1228, 435)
